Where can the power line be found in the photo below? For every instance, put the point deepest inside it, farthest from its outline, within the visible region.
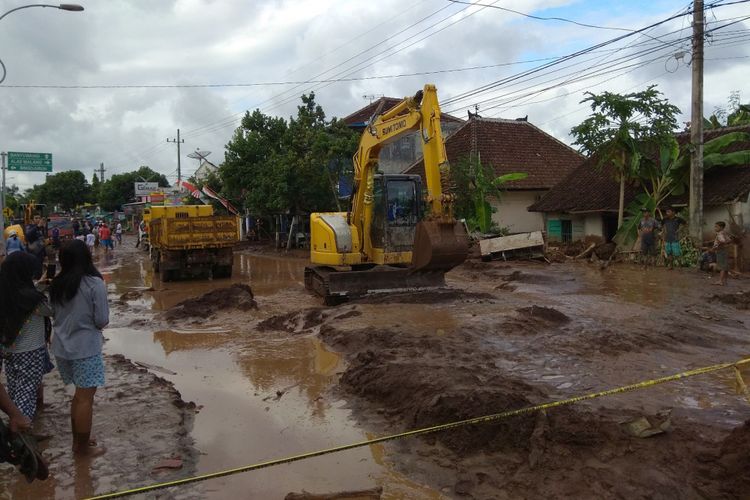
(286, 95)
(487, 87)
(266, 84)
(540, 18)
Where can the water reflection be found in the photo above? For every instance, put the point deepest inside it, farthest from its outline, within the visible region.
(303, 365)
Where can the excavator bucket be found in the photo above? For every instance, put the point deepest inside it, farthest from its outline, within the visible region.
(439, 245)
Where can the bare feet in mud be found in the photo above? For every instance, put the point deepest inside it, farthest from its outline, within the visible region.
(90, 452)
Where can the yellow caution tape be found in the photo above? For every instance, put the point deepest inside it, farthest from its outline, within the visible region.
(436, 428)
(742, 388)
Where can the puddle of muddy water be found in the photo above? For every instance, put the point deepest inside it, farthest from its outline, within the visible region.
(260, 396)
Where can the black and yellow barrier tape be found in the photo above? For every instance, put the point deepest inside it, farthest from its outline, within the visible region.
(417, 432)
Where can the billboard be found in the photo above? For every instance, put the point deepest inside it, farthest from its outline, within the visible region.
(145, 188)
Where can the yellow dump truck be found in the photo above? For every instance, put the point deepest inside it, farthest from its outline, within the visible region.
(190, 239)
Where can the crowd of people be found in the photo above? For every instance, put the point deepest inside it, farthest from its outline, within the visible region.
(98, 234)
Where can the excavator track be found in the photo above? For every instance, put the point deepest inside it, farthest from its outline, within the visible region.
(336, 286)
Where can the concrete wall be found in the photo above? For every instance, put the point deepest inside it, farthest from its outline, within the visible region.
(512, 211)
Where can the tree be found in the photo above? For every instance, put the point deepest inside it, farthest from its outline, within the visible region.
(64, 190)
(120, 188)
(476, 184)
(621, 127)
(734, 114)
(12, 197)
(96, 187)
(275, 166)
(249, 171)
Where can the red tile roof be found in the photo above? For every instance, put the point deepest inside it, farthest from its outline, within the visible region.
(361, 116)
(592, 189)
(512, 146)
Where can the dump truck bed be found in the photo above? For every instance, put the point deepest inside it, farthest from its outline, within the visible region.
(194, 232)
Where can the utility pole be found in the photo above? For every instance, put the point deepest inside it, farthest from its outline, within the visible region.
(696, 128)
(179, 172)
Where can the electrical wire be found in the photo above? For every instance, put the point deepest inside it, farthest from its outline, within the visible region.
(487, 87)
(287, 96)
(540, 18)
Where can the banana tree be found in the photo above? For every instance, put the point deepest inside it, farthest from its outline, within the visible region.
(669, 176)
(484, 190)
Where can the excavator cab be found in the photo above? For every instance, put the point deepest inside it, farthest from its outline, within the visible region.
(397, 208)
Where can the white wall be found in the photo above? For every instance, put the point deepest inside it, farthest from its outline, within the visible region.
(593, 225)
(511, 211)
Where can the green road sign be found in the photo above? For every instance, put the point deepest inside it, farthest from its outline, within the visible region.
(30, 162)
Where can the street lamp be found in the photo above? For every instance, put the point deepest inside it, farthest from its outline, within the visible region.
(72, 7)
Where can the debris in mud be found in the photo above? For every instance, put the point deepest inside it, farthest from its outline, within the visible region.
(172, 463)
(548, 314)
(293, 322)
(371, 494)
(131, 295)
(154, 368)
(644, 427)
(605, 250)
(238, 297)
(740, 300)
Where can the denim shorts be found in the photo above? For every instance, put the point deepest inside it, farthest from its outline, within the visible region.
(86, 372)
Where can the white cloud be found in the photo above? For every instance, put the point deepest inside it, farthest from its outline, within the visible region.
(232, 41)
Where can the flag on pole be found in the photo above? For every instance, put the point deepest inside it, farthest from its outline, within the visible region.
(212, 194)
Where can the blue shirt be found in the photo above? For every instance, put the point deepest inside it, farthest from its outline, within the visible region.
(14, 245)
(79, 322)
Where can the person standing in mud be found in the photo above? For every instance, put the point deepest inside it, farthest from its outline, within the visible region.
(79, 300)
(22, 331)
(721, 250)
(671, 236)
(647, 229)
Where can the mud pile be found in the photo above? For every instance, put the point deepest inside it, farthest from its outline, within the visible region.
(740, 300)
(237, 297)
(542, 313)
(423, 396)
(727, 472)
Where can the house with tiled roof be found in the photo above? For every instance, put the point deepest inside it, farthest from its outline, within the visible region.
(512, 146)
(400, 154)
(584, 204)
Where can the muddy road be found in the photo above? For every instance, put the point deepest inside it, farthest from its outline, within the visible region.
(271, 372)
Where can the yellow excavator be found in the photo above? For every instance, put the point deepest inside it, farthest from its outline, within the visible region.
(393, 238)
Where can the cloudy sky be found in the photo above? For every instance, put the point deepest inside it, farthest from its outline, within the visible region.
(367, 47)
